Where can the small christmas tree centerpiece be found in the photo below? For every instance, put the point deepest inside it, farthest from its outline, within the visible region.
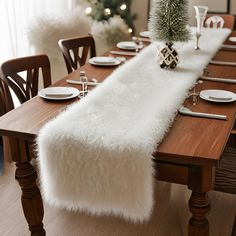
(168, 23)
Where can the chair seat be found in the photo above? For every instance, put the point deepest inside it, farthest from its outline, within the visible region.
(225, 174)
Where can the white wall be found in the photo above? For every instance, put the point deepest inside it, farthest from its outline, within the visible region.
(214, 6)
(233, 7)
(140, 7)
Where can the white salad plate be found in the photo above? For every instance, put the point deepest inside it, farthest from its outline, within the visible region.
(128, 45)
(215, 95)
(59, 93)
(145, 34)
(232, 39)
(104, 61)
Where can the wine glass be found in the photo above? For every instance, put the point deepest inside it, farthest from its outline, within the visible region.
(138, 42)
(201, 12)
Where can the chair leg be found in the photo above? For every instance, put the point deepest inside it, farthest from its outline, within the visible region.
(234, 228)
(6, 149)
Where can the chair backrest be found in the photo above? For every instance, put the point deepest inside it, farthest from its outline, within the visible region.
(10, 147)
(220, 21)
(75, 51)
(24, 87)
(22, 75)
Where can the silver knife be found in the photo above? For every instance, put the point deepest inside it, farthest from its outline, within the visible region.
(223, 63)
(80, 83)
(223, 80)
(186, 111)
(144, 39)
(123, 53)
(229, 46)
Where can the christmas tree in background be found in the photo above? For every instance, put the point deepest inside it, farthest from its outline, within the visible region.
(168, 21)
(103, 10)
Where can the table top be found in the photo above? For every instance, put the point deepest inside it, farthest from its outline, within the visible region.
(190, 140)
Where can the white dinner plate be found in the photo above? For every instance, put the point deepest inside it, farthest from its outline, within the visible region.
(104, 61)
(128, 45)
(232, 39)
(145, 34)
(215, 95)
(59, 93)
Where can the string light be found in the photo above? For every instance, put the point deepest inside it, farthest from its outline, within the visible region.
(107, 11)
(88, 10)
(123, 7)
(130, 30)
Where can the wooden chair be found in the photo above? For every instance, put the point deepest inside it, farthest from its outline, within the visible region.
(23, 88)
(75, 51)
(234, 227)
(6, 104)
(26, 88)
(220, 21)
(225, 175)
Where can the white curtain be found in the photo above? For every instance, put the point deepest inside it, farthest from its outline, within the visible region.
(16, 15)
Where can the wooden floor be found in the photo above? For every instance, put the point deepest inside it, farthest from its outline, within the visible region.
(169, 217)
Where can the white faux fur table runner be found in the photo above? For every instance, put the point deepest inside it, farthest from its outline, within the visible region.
(96, 156)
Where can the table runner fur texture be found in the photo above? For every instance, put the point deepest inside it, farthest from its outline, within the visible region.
(96, 156)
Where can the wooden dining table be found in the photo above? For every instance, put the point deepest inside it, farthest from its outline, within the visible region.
(188, 154)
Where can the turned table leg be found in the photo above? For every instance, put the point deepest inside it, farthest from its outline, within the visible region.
(200, 182)
(234, 228)
(31, 197)
(199, 206)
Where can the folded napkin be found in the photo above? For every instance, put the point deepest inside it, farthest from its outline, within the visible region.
(124, 53)
(104, 60)
(97, 155)
(57, 92)
(129, 45)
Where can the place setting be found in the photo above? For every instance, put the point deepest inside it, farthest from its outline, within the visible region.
(59, 93)
(66, 93)
(232, 40)
(209, 95)
(145, 34)
(130, 45)
(129, 48)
